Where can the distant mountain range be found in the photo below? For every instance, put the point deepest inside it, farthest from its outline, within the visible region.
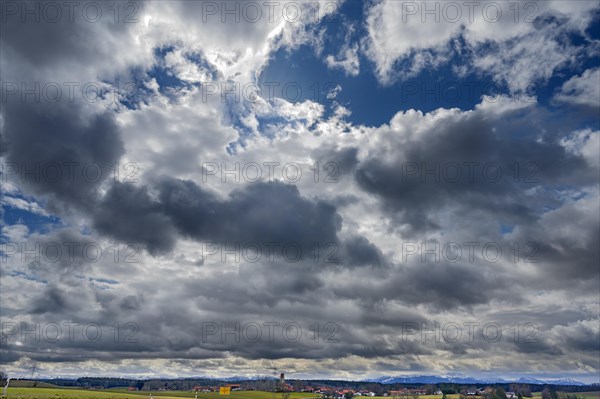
(414, 379)
(433, 379)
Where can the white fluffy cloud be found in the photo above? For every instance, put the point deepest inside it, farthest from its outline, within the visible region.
(583, 90)
(516, 43)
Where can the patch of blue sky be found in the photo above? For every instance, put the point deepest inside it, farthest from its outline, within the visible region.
(547, 91)
(370, 102)
(199, 59)
(168, 83)
(506, 228)
(99, 283)
(267, 125)
(234, 114)
(35, 222)
(104, 280)
(30, 277)
(136, 91)
(302, 74)
(133, 92)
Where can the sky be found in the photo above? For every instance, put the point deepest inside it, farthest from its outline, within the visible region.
(331, 189)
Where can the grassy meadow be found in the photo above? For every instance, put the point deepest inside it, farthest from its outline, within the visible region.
(73, 393)
(45, 392)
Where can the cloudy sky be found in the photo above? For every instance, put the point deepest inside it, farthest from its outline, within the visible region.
(336, 189)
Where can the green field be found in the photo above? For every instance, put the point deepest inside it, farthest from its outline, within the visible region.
(66, 393)
(47, 393)
(212, 395)
(583, 395)
(30, 384)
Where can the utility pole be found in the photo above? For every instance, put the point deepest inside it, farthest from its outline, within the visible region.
(33, 374)
(4, 394)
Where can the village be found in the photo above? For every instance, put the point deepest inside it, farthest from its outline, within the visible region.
(284, 389)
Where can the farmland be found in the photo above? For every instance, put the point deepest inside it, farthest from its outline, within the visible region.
(582, 395)
(71, 393)
(121, 393)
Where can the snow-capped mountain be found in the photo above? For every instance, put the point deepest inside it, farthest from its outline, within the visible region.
(434, 379)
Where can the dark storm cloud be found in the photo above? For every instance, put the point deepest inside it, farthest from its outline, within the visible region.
(53, 300)
(59, 253)
(263, 214)
(57, 150)
(564, 254)
(130, 303)
(51, 125)
(140, 219)
(359, 251)
(538, 347)
(228, 300)
(442, 286)
(259, 286)
(164, 333)
(338, 163)
(582, 338)
(60, 34)
(432, 172)
(383, 316)
(260, 213)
